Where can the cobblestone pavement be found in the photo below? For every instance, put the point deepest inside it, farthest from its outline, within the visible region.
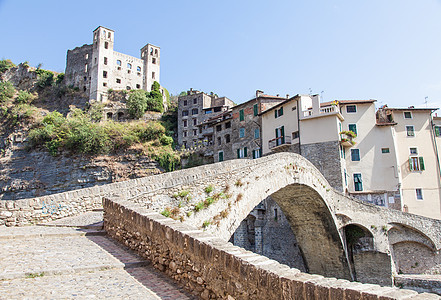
(39, 262)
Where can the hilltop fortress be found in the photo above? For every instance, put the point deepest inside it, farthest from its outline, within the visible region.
(96, 68)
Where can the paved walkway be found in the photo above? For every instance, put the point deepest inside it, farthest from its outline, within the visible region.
(51, 262)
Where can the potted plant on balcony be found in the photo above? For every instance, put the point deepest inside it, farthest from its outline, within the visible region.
(348, 136)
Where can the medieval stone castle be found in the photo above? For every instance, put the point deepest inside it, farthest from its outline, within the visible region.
(96, 68)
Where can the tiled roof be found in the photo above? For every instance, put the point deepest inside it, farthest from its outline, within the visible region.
(348, 102)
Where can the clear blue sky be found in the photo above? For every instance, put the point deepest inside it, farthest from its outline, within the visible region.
(385, 50)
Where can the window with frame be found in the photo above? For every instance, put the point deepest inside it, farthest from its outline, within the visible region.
(221, 155)
(184, 133)
(195, 132)
(408, 115)
(218, 128)
(295, 135)
(118, 62)
(255, 109)
(194, 111)
(358, 184)
(227, 138)
(228, 125)
(185, 123)
(280, 135)
(355, 154)
(195, 101)
(129, 65)
(416, 164)
(241, 132)
(351, 109)
(138, 86)
(256, 133)
(185, 113)
(185, 102)
(278, 112)
(437, 130)
(385, 150)
(118, 80)
(413, 151)
(257, 153)
(138, 69)
(104, 74)
(419, 194)
(195, 121)
(242, 152)
(353, 128)
(410, 131)
(241, 115)
(105, 60)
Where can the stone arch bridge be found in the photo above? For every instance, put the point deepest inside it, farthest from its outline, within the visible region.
(322, 219)
(219, 196)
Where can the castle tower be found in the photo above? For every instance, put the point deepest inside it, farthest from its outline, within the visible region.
(102, 63)
(150, 54)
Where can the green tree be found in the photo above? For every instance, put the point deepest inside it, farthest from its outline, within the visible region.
(154, 99)
(45, 78)
(5, 65)
(137, 103)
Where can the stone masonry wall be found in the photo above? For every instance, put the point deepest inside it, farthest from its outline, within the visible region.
(214, 269)
(326, 158)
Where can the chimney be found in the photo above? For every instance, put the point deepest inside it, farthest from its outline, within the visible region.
(277, 95)
(258, 93)
(287, 96)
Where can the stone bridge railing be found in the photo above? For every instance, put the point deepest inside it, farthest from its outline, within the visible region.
(214, 269)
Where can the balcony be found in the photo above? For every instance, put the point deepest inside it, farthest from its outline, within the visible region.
(347, 138)
(322, 111)
(279, 143)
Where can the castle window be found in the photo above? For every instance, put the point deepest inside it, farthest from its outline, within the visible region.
(156, 51)
(218, 127)
(153, 75)
(129, 66)
(105, 74)
(128, 88)
(86, 56)
(105, 60)
(84, 88)
(138, 86)
(118, 62)
(185, 123)
(153, 60)
(138, 69)
(195, 101)
(104, 84)
(109, 35)
(194, 111)
(85, 68)
(106, 45)
(128, 71)
(228, 125)
(151, 50)
(227, 138)
(95, 60)
(185, 133)
(195, 121)
(109, 116)
(118, 80)
(185, 113)
(219, 141)
(185, 102)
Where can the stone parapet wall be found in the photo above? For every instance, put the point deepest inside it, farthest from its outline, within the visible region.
(214, 269)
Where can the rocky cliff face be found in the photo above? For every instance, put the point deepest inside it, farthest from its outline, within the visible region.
(28, 174)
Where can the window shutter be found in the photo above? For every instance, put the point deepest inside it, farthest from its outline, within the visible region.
(255, 110)
(283, 134)
(410, 164)
(275, 113)
(277, 133)
(245, 154)
(421, 163)
(241, 115)
(254, 154)
(437, 131)
(238, 153)
(281, 111)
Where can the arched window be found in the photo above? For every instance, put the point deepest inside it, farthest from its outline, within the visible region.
(138, 69)
(129, 66)
(106, 45)
(118, 62)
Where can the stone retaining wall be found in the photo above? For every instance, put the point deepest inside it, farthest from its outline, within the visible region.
(214, 269)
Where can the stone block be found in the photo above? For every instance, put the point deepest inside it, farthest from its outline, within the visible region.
(397, 294)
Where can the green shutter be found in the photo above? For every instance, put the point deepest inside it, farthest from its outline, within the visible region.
(275, 113)
(241, 115)
(410, 164)
(283, 134)
(437, 133)
(238, 153)
(421, 163)
(281, 111)
(277, 133)
(245, 154)
(254, 154)
(256, 111)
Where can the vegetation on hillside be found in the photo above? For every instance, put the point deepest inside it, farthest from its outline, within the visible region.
(83, 131)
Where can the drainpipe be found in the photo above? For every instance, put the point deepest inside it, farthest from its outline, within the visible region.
(298, 124)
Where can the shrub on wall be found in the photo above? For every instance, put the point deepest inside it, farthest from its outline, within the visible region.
(7, 91)
(45, 78)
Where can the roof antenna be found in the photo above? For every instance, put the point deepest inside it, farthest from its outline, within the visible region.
(310, 91)
(321, 96)
(425, 100)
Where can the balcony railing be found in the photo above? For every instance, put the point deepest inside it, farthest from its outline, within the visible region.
(324, 110)
(280, 141)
